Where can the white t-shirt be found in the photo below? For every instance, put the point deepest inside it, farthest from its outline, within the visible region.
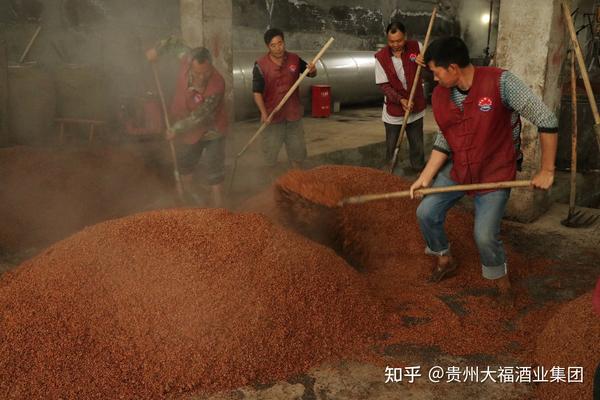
(381, 77)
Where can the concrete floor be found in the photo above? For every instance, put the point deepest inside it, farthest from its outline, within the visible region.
(348, 129)
(355, 136)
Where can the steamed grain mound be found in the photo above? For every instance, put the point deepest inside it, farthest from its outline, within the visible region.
(178, 301)
(321, 185)
(308, 200)
(570, 339)
(459, 315)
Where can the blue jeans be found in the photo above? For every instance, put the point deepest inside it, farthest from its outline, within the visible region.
(489, 210)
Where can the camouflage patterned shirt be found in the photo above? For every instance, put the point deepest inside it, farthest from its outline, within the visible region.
(201, 115)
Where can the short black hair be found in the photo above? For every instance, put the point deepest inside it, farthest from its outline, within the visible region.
(394, 27)
(271, 33)
(446, 51)
(201, 55)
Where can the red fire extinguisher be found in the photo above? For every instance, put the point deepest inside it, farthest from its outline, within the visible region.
(142, 116)
(153, 116)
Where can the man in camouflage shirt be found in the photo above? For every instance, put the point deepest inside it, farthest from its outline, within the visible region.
(198, 110)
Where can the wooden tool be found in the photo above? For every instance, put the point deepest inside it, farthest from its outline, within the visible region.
(411, 96)
(583, 71)
(35, 35)
(442, 189)
(178, 183)
(575, 219)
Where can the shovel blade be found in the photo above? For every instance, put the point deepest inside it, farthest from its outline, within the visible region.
(578, 219)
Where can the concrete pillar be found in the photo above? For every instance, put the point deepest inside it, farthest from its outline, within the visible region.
(532, 43)
(208, 23)
(3, 92)
(218, 38)
(192, 21)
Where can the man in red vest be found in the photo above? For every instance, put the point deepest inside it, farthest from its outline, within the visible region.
(477, 110)
(199, 116)
(273, 75)
(395, 69)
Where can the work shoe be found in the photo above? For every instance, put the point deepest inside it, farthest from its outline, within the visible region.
(445, 267)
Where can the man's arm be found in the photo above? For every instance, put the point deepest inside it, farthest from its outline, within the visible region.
(545, 177)
(260, 103)
(519, 97)
(391, 94)
(258, 87)
(200, 115)
(441, 144)
(435, 163)
(171, 44)
(311, 67)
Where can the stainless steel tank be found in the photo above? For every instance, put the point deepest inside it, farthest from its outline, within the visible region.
(351, 75)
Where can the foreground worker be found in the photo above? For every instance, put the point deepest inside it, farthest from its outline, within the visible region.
(477, 110)
(273, 75)
(395, 70)
(201, 122)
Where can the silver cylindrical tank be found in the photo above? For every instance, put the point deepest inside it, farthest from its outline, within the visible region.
(351, 75)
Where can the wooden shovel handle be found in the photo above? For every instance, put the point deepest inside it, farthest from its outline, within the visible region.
(411, 96)
(35, 35)
(442, 189)
(581, 62)
(178, 182)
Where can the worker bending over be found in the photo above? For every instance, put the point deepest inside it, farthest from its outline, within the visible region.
(478, 112)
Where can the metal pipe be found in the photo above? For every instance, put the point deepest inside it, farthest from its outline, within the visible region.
(351, 75)
(489, 34)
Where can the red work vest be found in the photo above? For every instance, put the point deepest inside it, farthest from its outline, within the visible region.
(278, 80)
(187, 100)
(480, 136)
(409, 55)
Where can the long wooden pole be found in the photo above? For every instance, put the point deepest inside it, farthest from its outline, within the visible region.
(583, 70)
(35, 35)
(178, 183)
(413, 89)
(573, 136)
(441, 189)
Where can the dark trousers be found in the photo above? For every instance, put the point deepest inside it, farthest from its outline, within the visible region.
(596, 395)
(414, 133)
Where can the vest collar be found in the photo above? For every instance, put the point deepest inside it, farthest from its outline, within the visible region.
(473, 81)
(283, 62)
